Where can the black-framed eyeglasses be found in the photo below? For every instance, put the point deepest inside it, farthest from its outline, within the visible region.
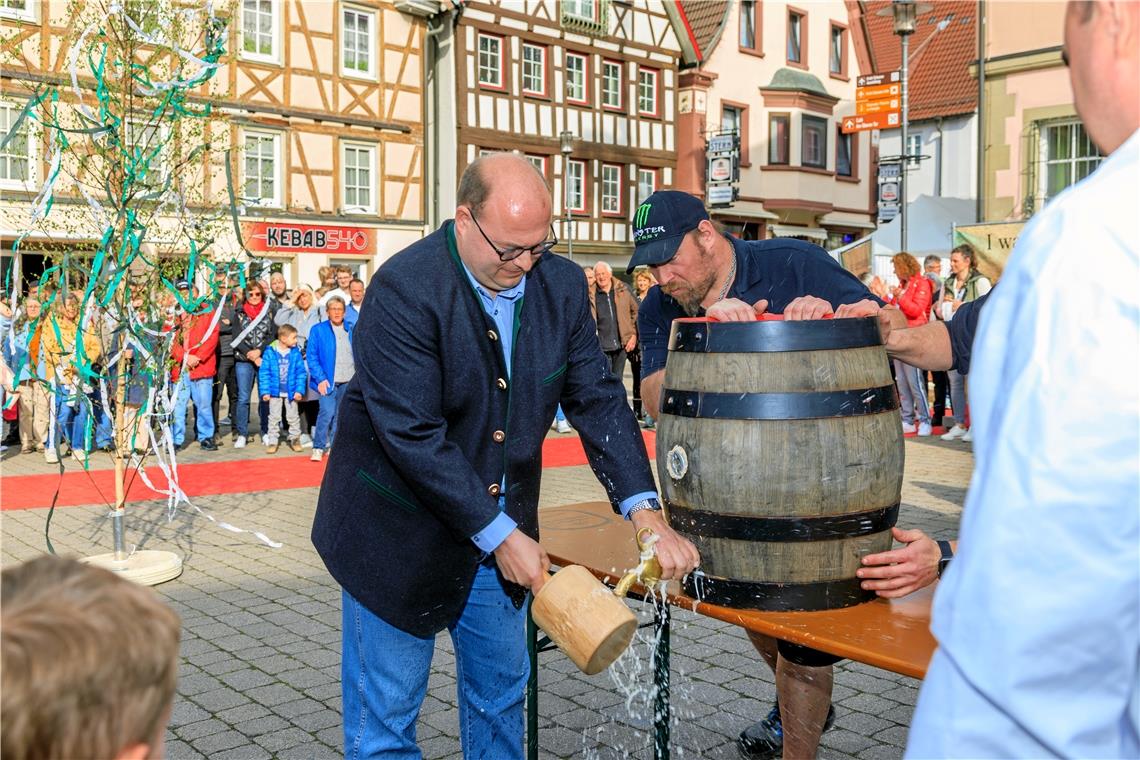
(509, 254)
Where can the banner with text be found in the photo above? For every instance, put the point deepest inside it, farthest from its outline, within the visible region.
(993, 241)
(287, 237)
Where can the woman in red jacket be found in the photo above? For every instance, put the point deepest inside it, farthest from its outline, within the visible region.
(912, 296)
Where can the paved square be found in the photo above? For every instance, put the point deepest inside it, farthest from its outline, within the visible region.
(261, 640)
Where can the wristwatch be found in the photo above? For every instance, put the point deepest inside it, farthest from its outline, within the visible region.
(651, 503)
(944, 560)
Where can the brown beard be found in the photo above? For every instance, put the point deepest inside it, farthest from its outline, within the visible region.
(690, 298)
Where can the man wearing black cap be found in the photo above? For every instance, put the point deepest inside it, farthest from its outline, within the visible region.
(702, 272)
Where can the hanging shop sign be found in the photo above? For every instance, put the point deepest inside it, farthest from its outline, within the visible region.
(287, 237)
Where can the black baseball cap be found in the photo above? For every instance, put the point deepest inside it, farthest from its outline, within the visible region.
(182, 285)
(659, 225)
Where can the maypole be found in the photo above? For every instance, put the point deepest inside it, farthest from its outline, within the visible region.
(131, 136)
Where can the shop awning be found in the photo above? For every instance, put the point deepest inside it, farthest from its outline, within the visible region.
(836, 219)
(786, 230)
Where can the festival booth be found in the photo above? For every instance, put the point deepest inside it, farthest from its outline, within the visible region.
(930, 230)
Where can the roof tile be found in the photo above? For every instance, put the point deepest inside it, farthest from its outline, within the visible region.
(706, 17)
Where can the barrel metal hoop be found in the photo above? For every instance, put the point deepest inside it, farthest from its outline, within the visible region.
(707, 524)
(777, 597)
(780, 406)
(701, 336)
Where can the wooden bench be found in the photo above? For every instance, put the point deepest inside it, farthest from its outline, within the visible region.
(893, 634)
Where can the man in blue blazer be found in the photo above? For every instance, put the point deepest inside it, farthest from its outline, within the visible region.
(427, 516)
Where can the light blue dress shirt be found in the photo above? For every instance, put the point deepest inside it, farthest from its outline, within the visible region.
(1038, 617)
(501, 309)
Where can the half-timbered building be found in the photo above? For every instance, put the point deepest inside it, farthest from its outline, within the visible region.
(585, 89)
(321, 106)
(780, 77)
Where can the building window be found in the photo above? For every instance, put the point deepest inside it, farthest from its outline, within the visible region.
(358, 32)
(749, 25)
(647, 91)
(734, 118)
(575, 78)
(611, 189)
(534, 69)
(586, 10)
(779, 129)
(259, 30)
(262, 177)
(17, 158)
(145, 145)
(576, 185)
(844, 153)
(490, 61)
(913, 148)
(837, 57)
(20, 9)
(538, 162)
(1068, 156)
(612, 84)
(796, 25)
(646, 183)
(813, 141)
(358, 177)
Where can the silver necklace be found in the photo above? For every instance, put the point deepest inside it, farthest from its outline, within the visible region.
(728, 281)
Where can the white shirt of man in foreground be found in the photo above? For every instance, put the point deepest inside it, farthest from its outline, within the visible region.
(1038, 617)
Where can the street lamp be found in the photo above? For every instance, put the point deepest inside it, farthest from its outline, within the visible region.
(566, 139)
(905, 13)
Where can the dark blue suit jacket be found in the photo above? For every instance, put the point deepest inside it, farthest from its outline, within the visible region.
(430, 424)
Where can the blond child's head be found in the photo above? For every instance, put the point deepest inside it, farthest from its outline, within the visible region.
(88, 663)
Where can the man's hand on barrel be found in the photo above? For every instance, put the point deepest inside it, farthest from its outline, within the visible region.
(677, 555)
(890, 317)
(902, 571)
(735, 310)
(864, 308)
(521, 560)
(807, 307)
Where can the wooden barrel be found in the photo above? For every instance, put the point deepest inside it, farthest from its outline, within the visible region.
(780, 455)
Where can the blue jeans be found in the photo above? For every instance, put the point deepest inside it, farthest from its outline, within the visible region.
(384, 677)
(103, 433)
(325, 430)
(912, 394)
(246, 377)
(70, 420)
(202, 391)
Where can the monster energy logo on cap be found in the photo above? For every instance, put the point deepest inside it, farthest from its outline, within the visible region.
(642, 215)
(641, 231)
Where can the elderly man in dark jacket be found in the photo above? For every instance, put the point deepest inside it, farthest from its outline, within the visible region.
(428, 512)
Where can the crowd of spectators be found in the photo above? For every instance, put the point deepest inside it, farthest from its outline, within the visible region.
(923, 295)
(292, 348)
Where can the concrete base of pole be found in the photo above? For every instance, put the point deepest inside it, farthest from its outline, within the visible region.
(147, 568)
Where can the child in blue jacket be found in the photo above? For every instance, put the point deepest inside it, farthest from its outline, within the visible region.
(282, 378)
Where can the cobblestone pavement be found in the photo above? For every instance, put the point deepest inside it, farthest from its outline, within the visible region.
(260, 647)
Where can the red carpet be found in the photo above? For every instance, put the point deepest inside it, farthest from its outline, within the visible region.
(212, 478)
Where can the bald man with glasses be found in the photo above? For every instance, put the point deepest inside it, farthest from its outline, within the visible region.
(428, 514)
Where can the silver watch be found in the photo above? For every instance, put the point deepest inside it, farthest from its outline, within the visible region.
(652, 504)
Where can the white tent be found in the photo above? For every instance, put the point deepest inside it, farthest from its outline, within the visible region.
(930, 229)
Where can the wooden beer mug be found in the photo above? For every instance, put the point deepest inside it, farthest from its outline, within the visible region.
(585, 619)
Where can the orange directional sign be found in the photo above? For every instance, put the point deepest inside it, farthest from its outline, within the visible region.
(878, 92)
(864, 107)
(872, 121)
(878, 100)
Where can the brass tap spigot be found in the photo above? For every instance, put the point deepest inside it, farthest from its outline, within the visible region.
(648, 571)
